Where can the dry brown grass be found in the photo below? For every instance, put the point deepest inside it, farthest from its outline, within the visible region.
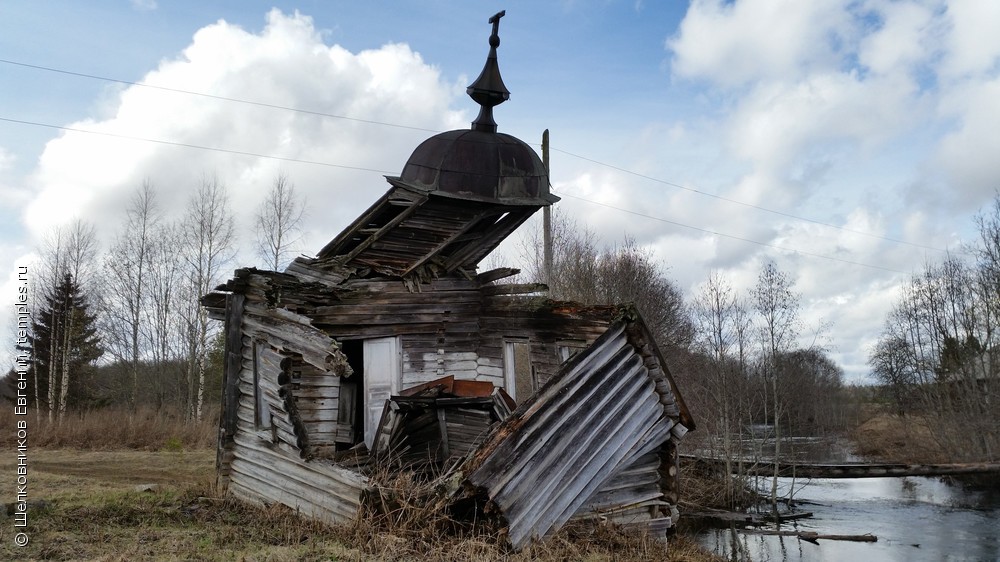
(110, 429)
(895, 438)
(92, 511)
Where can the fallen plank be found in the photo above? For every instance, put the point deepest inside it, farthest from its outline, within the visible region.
(723, 518)
(812, 536)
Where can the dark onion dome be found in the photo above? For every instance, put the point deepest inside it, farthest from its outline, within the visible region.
(479, 163)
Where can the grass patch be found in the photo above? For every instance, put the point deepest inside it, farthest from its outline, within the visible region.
(92, 511)
(113, 429)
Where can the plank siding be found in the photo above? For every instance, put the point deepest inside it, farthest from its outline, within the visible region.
(318, 489)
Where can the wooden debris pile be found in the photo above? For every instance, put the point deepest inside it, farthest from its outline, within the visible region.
(438, 423)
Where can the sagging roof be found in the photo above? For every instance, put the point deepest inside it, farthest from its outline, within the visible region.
(412, 232)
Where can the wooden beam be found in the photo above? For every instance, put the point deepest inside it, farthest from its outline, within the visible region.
(475, 220)
(496, 274)
(395, 197)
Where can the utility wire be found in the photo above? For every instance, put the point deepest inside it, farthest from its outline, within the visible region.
(731, 236)
(212, 96)
(395, 125)
(359, 168)
(196, 146)
(750, 205)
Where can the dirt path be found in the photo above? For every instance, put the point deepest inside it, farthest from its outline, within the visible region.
(54, 474)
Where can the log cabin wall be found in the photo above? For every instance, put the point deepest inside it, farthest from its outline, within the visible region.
(545, 326)
(267, 434)
(438, 324)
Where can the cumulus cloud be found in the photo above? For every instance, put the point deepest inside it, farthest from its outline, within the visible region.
(876, 116)
(286, 65)
(733, 43)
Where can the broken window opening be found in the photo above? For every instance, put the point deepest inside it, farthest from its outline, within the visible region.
(519, 373)
(569, 348)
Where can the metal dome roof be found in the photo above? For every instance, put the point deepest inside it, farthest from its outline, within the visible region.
(479, 165)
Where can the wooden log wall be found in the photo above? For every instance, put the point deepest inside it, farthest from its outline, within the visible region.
(543, 325)
(438, 326)
(266, 466)
(632, 495)
(601, 417)
(267, 362)
(317, 396)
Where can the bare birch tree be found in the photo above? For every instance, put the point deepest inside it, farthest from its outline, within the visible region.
(126, 285)
(207, 230)
(166, 325)
(277, 223)
(720, 323)
(778, 310)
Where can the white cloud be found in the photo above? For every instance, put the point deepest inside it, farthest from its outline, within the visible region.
(878, 116)
(972, 43)
(733, 43)
(969, 152)
(901, 42)
(287, 65)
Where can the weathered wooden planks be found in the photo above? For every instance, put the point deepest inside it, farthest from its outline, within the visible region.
(598, 419)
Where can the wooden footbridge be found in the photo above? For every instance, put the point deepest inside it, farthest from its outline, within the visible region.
(845, 470)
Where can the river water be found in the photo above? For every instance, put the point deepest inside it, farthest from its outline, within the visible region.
(914, 518)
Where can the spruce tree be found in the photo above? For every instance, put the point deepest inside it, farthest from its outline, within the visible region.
(64, 348)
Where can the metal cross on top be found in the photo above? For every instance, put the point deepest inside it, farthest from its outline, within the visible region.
(488, 90)
(495, 20)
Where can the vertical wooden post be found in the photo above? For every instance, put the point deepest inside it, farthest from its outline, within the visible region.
(547, 215)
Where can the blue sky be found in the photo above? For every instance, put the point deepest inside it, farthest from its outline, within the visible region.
(848, 141)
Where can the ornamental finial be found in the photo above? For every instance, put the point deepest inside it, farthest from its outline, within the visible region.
(488, 90)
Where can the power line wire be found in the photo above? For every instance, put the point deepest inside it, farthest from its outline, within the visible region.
(750, 205)
(731, 236)
(395, 125)
(196, 146)
(359, 168)
(212, 96)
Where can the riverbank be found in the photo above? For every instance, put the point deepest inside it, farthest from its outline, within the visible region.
(894, 438)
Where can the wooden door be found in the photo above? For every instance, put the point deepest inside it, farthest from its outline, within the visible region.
(382, 374)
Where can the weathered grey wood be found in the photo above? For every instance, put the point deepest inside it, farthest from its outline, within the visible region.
(812, 536)
(496, 274)
(515, 289)
(233, 365)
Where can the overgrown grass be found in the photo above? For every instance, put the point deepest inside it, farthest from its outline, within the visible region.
(114, 428)
(93, 512)
(83, 474)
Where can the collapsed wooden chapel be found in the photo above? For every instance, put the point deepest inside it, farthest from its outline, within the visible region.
(389, 349)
